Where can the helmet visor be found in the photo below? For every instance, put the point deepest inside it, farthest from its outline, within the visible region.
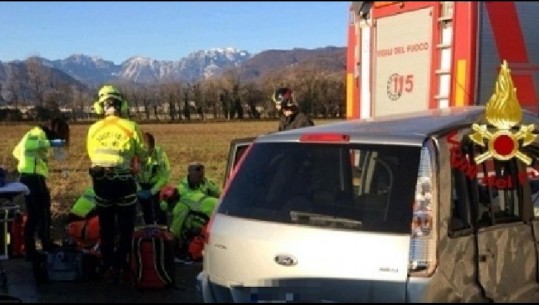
(112, 102)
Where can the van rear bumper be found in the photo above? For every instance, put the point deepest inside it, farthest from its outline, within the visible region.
(208, 292)
(203, 290)
(304, 290)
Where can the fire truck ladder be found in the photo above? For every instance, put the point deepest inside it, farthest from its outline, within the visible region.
(443, 47)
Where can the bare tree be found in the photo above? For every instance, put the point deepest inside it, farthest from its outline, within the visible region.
(38, 77)
(154, 100)
(146, 100)
(198, 97)
(186, 108)
(62, 94)
(16, 85)
(306, 90)
(230, 83)
(224, 97)
(254, 97)
(171, 95)
(211, 94)
(133, 95)
(238, 109)
(78, 103)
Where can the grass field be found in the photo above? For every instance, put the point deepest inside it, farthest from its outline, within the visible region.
(183, 143)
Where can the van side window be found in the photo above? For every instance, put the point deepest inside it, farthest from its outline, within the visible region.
(501, 188)
(485, 191)
(460, 218)
(496, 188)
(460, 212)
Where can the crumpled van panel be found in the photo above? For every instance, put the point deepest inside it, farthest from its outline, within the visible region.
(507, 262)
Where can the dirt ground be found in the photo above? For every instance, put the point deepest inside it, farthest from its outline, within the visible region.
(22, 285)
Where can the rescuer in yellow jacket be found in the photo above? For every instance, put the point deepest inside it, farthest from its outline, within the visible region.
(113, 143)
(152, 176)
(196, 181)
(82, 221)
(32, 153)
(189, 215)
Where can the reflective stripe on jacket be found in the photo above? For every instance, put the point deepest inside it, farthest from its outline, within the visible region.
(33, 152)
(124, 201)
(114, 141)
(156, 171)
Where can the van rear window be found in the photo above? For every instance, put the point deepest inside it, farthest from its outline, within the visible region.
(349, 187)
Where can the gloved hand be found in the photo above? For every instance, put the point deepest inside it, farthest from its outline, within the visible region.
(57, 143)
(163, 205)
(144, 194)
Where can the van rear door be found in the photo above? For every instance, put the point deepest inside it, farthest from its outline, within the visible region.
(293, 225)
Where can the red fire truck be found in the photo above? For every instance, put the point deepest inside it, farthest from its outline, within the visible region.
(411, 56)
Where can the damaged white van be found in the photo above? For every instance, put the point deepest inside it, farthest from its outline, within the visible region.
(425, 207)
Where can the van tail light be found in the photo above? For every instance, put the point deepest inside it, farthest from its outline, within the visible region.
(423, 236)
(324, 138)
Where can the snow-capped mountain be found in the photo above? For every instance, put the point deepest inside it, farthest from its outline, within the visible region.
(196, 66)
(204, 64)
(86, 72)
(146, 70)
(86, 69)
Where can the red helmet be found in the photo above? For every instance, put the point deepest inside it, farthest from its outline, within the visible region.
(283, 97)
(169, 194)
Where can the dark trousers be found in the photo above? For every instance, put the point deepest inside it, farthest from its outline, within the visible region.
(38, 209)
(151, 209)
(125, 216)
(116, 198)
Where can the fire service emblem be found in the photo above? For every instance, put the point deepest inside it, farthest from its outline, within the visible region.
(504, 113)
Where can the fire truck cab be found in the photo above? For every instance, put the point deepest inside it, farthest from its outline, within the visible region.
(412, 56)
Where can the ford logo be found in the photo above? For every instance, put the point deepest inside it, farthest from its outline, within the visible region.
(286, 260)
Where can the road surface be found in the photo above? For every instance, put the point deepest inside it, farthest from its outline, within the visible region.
(21, 284)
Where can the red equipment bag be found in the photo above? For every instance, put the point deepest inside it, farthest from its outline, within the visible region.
(152, 257)
(85, 232)
(17, 235)
(196, 245)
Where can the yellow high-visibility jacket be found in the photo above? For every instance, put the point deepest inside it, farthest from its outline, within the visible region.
(191, 201)
(85, 203)
(33, 152)
(156, 171)
(114, 142)
(207, 187)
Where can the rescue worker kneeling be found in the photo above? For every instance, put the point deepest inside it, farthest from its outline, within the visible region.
(189, 216)
(83, 222)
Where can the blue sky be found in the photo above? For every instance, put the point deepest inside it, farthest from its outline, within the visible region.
(165, 30)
